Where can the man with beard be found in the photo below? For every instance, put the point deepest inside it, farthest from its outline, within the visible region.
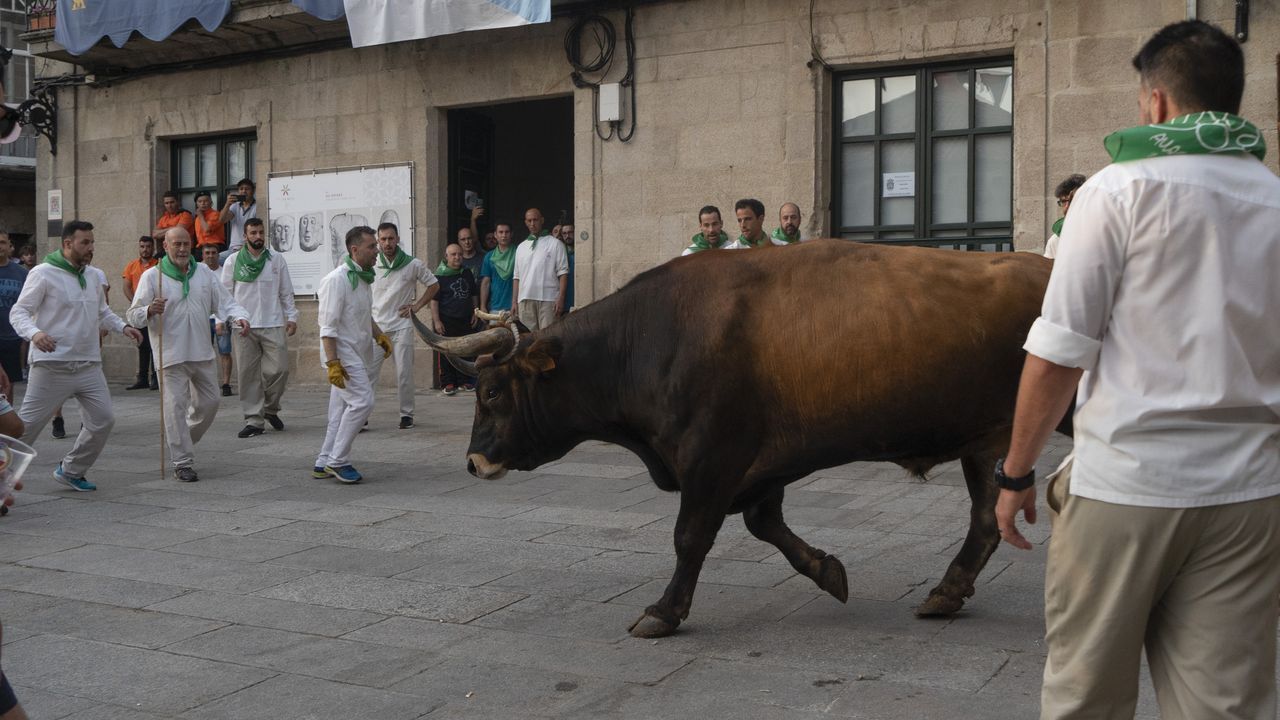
(260, 283)
(711, 235)
(347, 330)
(59, 312)
(175, 299)
(132, 274)
(399, 275)
(789, 219)
(496, 271)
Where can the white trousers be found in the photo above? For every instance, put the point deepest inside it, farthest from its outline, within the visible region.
(349, 408)
(190, 405)
(262, 367)
(49, 384)
(402, 354)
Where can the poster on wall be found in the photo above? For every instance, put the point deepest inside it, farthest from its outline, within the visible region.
(311, 212)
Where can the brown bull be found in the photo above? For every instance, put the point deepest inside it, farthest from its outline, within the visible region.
(732, 374)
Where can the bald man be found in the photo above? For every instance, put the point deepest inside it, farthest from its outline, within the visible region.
(789, 219)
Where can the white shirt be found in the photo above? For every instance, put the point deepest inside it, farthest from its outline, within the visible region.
(539, 268)
(1165, 292)
(102, 276)
(269, 298)
(1051, 246)
(346, 314)
(238, 215)
(395, 289)
(185, 319)
(53, 302)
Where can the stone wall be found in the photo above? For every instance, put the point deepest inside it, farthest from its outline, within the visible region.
(729, 105)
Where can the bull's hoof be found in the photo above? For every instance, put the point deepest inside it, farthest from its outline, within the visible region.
(649, 625)
(939, 605)
(832, 578)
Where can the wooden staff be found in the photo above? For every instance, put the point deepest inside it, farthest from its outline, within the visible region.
(160, 365)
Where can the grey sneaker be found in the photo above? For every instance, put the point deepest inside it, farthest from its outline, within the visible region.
(185, 474)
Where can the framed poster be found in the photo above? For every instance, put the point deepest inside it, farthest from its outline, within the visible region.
(311, 212)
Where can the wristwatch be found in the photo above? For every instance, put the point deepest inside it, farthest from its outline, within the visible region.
(1004, 482)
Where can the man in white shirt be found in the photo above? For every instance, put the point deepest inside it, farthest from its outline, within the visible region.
(240, 207)
(398, 277)
(59, 311)
(175, 300)
(260, 283)
(541, 275)
(1065, 193)
(1160, 316)
(347, 333)
(750, 214)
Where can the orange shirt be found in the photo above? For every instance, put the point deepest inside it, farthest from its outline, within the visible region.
(133, 272)
(182, 217)
(217, 235)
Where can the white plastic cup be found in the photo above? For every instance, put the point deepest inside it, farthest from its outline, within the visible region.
(15, 456)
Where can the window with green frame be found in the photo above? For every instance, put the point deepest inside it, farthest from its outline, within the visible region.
(924, 156)
(210, 164)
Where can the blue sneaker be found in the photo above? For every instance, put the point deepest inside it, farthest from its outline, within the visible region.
(320, 472)
(71, 481)
(344, 473)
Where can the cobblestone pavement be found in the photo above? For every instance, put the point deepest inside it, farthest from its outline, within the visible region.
(259, 592)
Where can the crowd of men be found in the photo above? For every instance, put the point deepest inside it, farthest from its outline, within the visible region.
(749, 214)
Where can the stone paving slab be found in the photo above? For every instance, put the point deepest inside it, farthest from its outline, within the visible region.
(260, 592)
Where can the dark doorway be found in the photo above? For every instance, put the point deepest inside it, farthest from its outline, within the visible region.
(512, 156)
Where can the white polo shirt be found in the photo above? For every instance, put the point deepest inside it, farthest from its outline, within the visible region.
(538, 268)
(269, 298)
(239, 213)
(395, 289)
(53, 302)
(185, 318)
(1165, 291)
(346, 315)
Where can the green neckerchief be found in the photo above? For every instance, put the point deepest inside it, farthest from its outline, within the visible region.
(700, 242)
(1193, 134)
(742, 240)
(55, 259)
(355, 274)
(168, 268)
(1057, 226)
(400, 260)
(248, 269)
(534, 238)
(443, 270)
(503, 261)
(783, 237)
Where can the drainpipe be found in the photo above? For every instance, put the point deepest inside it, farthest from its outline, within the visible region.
(1192, 10)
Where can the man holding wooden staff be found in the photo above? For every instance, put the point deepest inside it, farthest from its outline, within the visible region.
(174, 300)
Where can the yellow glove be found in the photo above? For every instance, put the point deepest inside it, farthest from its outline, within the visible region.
(384, 342)
(337, 374)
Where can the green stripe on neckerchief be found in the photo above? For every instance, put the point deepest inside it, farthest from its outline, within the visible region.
(355, 274)
(503, 261)
(169, 269)
(1057, 226)
(55, 259)
(1192, 134)
(247, 268)
(783, 237)
(700, 242)
(400, 260)
(742, 239)
(443, 270)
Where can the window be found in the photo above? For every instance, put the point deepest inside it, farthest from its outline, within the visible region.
(18, 77)
(924, 156)
(212, 164)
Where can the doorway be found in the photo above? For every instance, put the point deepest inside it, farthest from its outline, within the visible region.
(511, 156)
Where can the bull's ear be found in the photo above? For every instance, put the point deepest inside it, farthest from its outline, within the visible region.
(541, 356)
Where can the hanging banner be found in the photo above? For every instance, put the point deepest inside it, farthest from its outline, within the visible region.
(82, 23)
(311, 213)
(377, 22)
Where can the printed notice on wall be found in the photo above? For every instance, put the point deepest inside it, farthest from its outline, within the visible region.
(899, 184)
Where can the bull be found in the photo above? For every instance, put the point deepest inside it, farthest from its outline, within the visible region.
(733, 374)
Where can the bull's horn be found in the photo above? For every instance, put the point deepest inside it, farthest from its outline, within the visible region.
(466, 367)
(497, 340)
(498, 317)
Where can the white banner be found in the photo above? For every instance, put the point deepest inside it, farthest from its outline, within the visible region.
(377, 22)
(311, 214)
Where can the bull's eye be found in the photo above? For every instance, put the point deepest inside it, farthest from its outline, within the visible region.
(493, 393)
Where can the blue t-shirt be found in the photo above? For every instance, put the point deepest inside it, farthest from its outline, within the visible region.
(12, 277)
(499, 289)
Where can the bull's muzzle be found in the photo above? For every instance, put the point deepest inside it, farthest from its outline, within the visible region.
(479, 466)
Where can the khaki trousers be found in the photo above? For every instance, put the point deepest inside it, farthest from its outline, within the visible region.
(190, 405)
(1196, 587)
(402, 342)
(49, 384)
(537, 314)
(262, 367)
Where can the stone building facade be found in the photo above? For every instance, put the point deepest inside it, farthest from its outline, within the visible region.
(734, 98)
